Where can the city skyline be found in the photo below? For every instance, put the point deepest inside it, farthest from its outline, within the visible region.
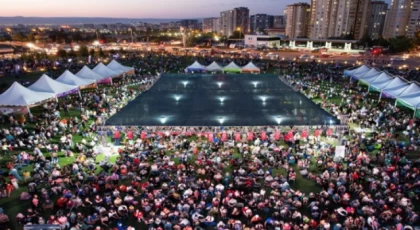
(138, 9)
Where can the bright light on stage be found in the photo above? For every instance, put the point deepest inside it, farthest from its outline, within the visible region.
(177, 97)
(220, 84)
(278, 120)
(221, 120)
(185, 83)
(263, 98)
(222, 99)
(255, 83)
(163, 119)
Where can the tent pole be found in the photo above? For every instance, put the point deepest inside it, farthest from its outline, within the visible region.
(414, 115)
(380, 96)
(29, 110)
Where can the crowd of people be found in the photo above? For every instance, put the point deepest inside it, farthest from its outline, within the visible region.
(184, 178)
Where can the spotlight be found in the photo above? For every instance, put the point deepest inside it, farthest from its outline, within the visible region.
(185, 83)
(222, 99)
(220, 84)
(331, 122)
(255, 84)
(163, 119)
(263, 98)
(177, 97)
(221, 120)
(278, 120)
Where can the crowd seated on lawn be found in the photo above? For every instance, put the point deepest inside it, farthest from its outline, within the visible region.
(188, 179)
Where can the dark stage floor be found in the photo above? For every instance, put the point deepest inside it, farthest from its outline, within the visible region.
(221, 100)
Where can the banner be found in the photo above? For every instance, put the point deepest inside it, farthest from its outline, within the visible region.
(91, 86)
(340, 151)
(105, 81)
(6, 110)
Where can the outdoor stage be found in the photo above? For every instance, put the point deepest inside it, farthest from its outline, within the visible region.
(228, 100)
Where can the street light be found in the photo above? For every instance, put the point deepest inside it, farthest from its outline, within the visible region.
(240, 32)
(220, 84)
(222, 99)
(185, 83)
(255, 84)
(177, 97)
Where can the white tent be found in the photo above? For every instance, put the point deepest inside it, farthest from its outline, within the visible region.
(17, 95)
(106, 72)
(116, 66)
(68, 78)
(196, 67)
(250, 67)
(413, 88)
(232, 67)
(362, 69)
(48, 85)
(370, 74)
(394, 91)
(87, 73)
(380, 82)
(411, 101)
(214, 67)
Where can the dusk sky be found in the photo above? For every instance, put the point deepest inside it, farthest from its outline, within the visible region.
(137, 8)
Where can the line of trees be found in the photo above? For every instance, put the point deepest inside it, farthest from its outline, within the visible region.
(398, 44)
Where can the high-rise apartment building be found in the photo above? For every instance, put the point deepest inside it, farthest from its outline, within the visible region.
(260, 22)
(297, 22)
(377, 17)
(339, 18)
(279, 21)
(414, 20)
(211, 25)
(396, 22)
(190, 24)
(226, 23)
(236, 19)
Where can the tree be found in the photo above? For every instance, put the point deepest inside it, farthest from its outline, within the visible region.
(400, 44)
(18, 37)
(101, 53)
(83, 51)
(366, 40)
(237, 35)
(71, 53)
(92, 52)
(31, 37)
(61, 53)
(380, 42)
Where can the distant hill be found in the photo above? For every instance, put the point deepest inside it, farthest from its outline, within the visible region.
(76, 20)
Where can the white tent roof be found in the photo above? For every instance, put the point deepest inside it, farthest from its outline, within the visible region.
(381, 81)
(116, 66)
(395, 91)
(413, 88)
(68, 78)
(250, 66)
(214, 67)
(362, 71)
(105, 72)
(48, 85)
(232, 65)
(87, 73)
(196, 66)
(371, 73)
(17, 95)
(396, 82)
(412, 100)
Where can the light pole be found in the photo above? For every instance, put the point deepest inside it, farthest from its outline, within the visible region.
(132, 40)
